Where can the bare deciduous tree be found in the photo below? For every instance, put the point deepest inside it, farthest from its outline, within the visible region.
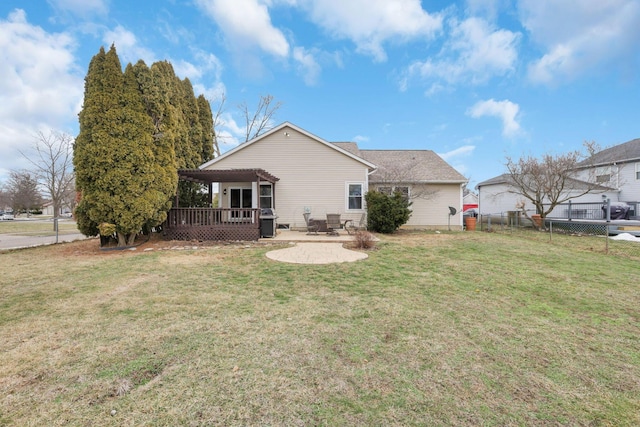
(5, 197)
(52, 159)
(260, 120)
(217, 121)
(550, 180)
(255, 123)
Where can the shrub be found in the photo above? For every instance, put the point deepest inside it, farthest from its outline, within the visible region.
(385, 214)
(364, 240)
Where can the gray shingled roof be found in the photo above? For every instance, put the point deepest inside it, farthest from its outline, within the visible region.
(625, 152)
(505, 178)
(351, 147)
(408, 166)
(576, 184)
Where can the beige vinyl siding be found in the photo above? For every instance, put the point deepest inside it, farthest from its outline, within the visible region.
(312, 175)
(433, 211)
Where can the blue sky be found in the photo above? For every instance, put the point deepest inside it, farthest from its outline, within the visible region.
(475, 81)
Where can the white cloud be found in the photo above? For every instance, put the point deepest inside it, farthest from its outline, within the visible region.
(360, 138)
(246, 24)
(204, 63)
(41, 86)
(307, 65)
(457, 157)
(81, 8)
(228, 132)
(464, 151)
(205, 74)
(186, 69)
(581, 36)
(127, 46)
(506, 111)
(486, 8)
(475, 53)
(371, 23)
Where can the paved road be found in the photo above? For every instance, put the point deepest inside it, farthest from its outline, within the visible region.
(8, 241)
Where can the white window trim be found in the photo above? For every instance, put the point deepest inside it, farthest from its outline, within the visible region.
(637, 171)
(268, 184)
(346, 196)
(603, 174)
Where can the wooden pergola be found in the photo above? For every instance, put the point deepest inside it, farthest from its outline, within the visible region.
(189, 223)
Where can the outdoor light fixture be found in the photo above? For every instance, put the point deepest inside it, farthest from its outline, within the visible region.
(224, 191)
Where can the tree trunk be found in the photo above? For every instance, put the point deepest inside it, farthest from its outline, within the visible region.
(122, 239)
(56, 210)
(126, 239)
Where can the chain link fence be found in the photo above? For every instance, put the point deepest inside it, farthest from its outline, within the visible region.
(613, 238)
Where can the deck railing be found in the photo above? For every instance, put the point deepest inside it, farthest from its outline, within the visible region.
(212, 224)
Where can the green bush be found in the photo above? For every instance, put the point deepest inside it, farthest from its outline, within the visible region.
(385, 214)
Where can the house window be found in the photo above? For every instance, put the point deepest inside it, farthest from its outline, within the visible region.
(603, 174)
(266, 196)
(354, 194)
(402, 190)
(638, 171)
(385, 190)
(398, 189)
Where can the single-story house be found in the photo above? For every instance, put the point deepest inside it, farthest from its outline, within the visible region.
(293, 172)
(613, 173)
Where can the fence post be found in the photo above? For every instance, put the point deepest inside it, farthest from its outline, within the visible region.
(569, 213)
(550, 230)
(606, 238)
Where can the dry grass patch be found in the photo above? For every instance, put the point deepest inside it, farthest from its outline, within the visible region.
(432, 329)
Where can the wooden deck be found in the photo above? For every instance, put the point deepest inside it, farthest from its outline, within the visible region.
(212, 224)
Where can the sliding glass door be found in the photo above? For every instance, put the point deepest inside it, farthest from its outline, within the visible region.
(240, 198)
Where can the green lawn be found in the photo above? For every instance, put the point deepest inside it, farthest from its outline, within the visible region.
(37, 227)
(432, 329)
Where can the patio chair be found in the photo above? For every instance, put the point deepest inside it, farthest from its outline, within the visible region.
(352, 226)
(311, 228)
(333, 224)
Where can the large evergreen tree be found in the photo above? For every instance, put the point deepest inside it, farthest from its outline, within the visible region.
(206, 124)
(124, 168)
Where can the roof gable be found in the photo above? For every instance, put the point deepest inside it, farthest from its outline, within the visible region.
(284, 127)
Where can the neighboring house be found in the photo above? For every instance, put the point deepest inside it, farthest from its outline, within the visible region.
(616, 170)
(616, 167)
(496, 196)
(293, 172)
(469, 200)
(47, 208)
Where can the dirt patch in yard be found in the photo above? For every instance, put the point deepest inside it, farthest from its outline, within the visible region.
(91, 247)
